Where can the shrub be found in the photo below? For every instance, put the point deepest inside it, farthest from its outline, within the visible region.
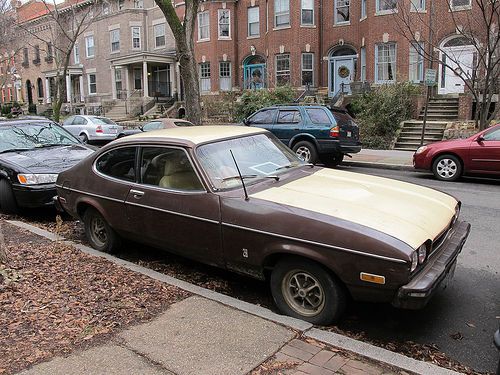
(6, 108)
(253, 100)
(32, 108)
(380, 111)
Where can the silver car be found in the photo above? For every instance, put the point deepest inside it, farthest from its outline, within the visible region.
(92, 128)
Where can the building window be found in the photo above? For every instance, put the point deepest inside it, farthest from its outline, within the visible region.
(50, 56)
(36, 60)
(384, 6)
(416, 69)
(203, 26)
(253, 21)
(121, 4)
(105, 8)
(307, 12)
(89, 46)
(341, 11)
(118, 82)
(225, 76)
(417, 5)
(115, 40)
(458, 4)
(363, 9)
(205, 77)
(138, 4)
(281, 13)
(385, 62)
(92, 84)
(282, 69)
(137, 79)
(307, 69)
(159, 31)
(224, 23)
(363, 64)
(25, 57)
(76, 53)
(136, 37)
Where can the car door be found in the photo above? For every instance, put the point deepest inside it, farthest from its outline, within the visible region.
(172, 209)
(288, 124)
(484, 152)
(78, 125)
(69, 125)
(263, 119)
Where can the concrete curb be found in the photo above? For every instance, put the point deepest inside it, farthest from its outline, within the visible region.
(366, 164)
(343, 342)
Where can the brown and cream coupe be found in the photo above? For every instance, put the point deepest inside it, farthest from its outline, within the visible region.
(237, 198)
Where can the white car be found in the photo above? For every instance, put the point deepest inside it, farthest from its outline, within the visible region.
(92, 128)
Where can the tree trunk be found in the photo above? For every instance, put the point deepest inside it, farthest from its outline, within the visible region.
(58, 100)
(189, 75)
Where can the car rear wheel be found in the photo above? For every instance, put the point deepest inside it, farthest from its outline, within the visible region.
(447, 168)
(305, 290)
(8, 204)
(332, 160)
(306, 151)
(100, 235)
(84, 138)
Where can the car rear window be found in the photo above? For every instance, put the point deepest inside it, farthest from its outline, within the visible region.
(118, 163)
(289, 116)
(318, 116)
(342, 118)
(102, 121)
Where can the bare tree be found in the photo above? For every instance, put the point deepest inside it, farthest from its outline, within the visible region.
(7, 42)
(477, 27)
(183, 31)
(65, 23)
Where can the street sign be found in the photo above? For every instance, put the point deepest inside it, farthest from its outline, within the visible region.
(430, 77)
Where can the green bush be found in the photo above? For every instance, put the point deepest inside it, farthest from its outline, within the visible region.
(380, 111)
(32, 108)
(6, 108)
(253, 100)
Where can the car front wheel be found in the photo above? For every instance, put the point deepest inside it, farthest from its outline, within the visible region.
(305, 290)
(8, 204)
(447, 168)
(306, 151)
(100, 235)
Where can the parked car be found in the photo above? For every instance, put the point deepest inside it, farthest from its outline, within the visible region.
(237, 198)
(161, 123)
(314, 132)
(32, 153)
(476, 155)
(92, 128)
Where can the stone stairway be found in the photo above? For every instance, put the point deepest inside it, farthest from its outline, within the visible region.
(441, 111)
(118, 112)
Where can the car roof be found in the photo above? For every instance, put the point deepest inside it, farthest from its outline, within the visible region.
(196, 134)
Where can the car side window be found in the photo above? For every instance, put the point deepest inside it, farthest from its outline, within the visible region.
(79, 120)
(265, 116)
(69, 121)
(289, 116)
(118, 163)
(153, 126)
(318, 116)
(169, 168)
(492, 135)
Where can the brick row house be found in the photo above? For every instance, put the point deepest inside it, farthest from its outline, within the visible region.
(324, 45)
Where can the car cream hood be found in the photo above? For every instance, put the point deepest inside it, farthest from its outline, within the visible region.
(405, 211)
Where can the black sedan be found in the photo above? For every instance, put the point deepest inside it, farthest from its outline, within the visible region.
(32, 153)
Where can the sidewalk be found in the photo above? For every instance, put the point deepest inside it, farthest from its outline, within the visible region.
(208, 333)
(387, 159)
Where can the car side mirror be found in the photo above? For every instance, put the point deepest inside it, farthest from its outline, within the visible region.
(245, 121)
(141, 128)
(480, 139)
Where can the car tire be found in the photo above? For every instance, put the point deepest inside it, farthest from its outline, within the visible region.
(306, 151)
(8, 204)
(323, 304)
(447, 168)
(100, 235)
(332, 160)
(84, 138)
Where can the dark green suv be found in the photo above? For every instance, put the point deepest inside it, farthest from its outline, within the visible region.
(314, 132)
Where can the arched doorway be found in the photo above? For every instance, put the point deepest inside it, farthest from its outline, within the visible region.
(254, 72)
(341, 69)
(39, 88)
(29, 93)
(457, 58)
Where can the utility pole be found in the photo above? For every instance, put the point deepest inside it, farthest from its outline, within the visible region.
(431, 64)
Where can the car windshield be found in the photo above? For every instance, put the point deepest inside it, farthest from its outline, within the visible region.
(102, 121)
(31, 136)
(258, 156)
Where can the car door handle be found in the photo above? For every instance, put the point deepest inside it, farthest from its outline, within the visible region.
(136, 193)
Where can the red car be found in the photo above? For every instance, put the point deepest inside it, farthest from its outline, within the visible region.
(448, 160)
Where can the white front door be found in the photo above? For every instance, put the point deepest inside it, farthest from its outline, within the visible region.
(460, 61)
(341, 74)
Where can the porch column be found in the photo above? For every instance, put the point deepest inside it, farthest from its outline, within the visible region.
(173, 79)
(113, 82)
(178, 80)
(47, 91)
(80, 82)
(68, 88)
(127, 83)
(145, 84)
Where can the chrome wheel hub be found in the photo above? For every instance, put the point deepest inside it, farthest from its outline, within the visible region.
(98, 231)
(303, 293)
(447, 168)
(303, 153)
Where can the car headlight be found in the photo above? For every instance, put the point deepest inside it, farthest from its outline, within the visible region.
(37, 178)
(414, 261)
(422, 254)
(421, 149)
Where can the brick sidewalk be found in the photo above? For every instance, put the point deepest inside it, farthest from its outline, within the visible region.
(301, 357)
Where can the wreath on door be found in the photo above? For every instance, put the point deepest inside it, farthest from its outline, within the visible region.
(344, 71)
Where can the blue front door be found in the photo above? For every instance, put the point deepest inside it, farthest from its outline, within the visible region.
(255, 76)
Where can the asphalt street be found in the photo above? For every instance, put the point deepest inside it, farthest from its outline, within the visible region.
(461, 319)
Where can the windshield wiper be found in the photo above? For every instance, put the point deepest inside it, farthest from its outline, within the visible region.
(15, 150)
(239, 177)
